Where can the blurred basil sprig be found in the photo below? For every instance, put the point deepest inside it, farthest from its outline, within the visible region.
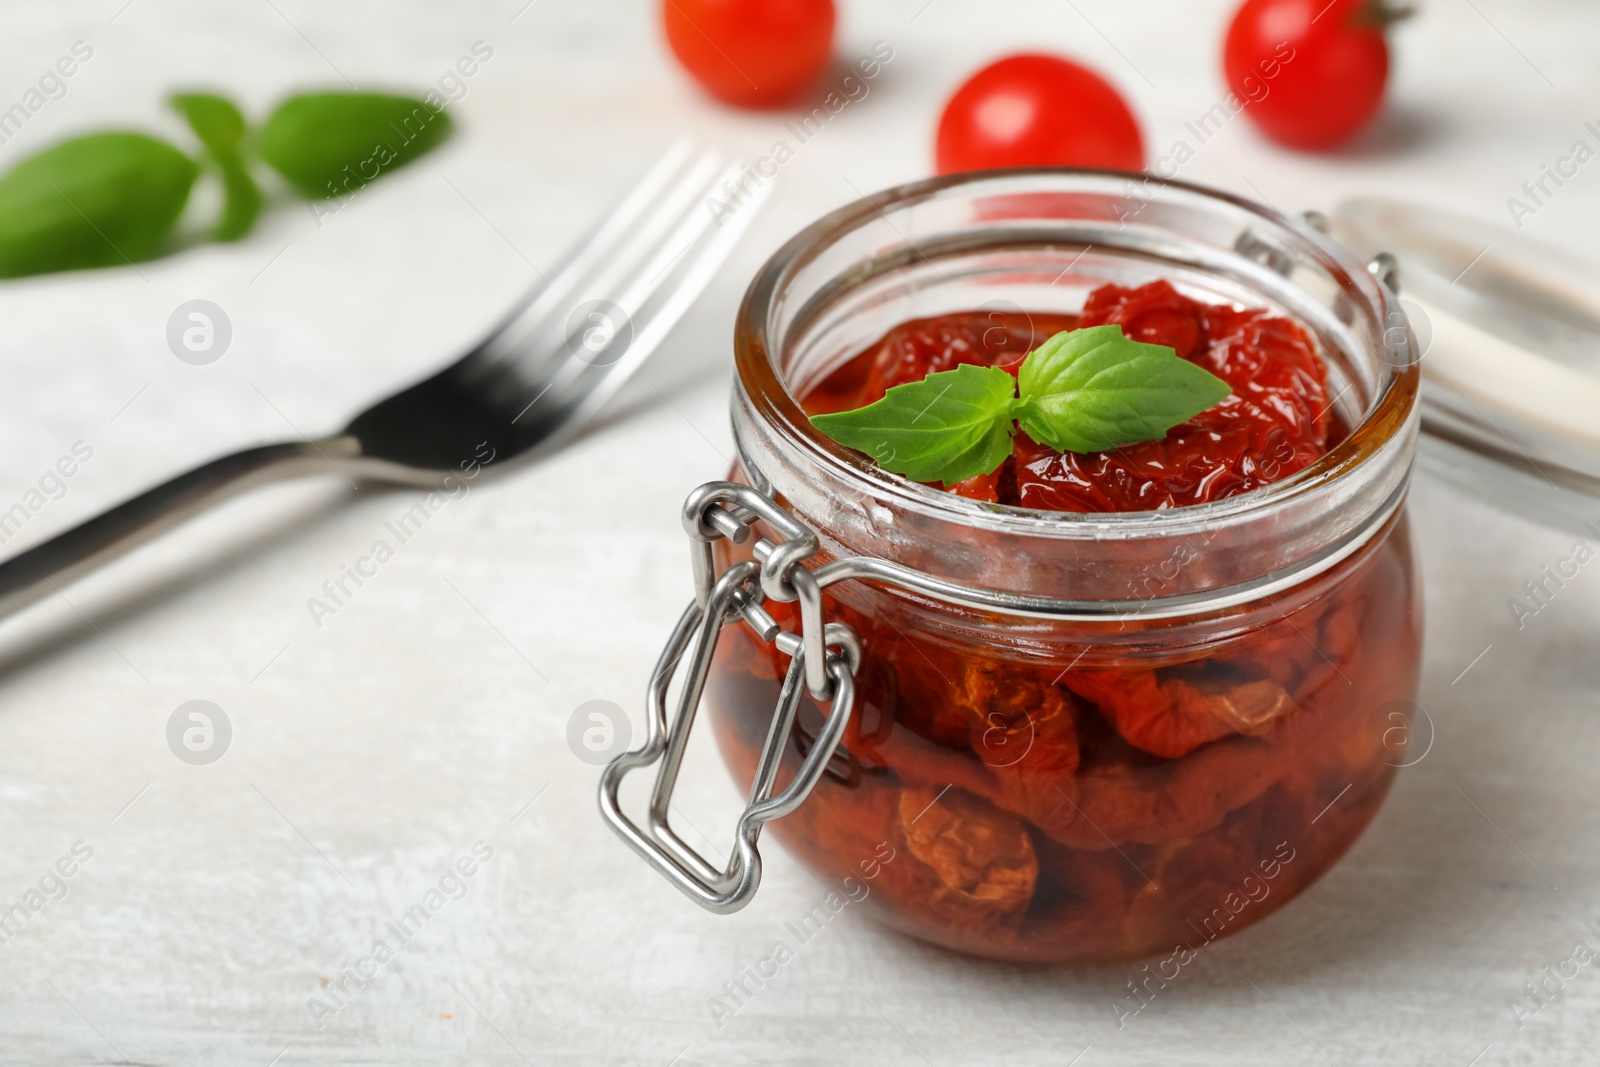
(108, 198)
(220, 127)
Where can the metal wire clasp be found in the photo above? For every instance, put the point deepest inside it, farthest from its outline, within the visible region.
(823, 660)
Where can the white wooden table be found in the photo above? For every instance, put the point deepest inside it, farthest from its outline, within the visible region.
(209, 905)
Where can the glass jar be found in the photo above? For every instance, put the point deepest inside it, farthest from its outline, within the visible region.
(1019, 776)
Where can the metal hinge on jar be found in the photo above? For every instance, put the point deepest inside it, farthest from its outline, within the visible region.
(823, 661)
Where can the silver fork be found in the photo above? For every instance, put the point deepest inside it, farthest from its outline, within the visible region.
(525, 389)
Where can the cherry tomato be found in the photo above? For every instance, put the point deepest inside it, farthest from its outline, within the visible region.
(750, 53)
(1309, 72)
(1037, 110)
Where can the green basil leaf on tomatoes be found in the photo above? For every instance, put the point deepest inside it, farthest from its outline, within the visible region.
(950, 426)
(331, 144)
(92, 201)
(1091, 390)
(1086, 390)
(220, 126)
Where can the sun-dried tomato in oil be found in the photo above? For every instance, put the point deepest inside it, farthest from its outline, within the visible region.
(1044, 808)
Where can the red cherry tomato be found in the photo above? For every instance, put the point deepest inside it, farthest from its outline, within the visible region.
(750, 53)
(1309, 72)
(1037, 110)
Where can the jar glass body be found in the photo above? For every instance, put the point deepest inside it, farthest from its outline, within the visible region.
(1217, 707)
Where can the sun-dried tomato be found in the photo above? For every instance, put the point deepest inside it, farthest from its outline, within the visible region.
(1276, 422)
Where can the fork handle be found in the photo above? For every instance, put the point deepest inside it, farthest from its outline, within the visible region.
(40, 570)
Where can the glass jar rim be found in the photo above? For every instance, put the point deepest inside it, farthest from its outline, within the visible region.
(761, 378)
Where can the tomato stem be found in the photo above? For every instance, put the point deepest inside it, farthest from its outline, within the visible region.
(1378, 15)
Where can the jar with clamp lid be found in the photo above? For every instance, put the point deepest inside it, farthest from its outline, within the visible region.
(1040, 735)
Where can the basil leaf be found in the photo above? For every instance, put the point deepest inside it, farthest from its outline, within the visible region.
(331, 144)
(92, 201)
(216, 121)
(220, 126)
(1091, 390)
(948, 427)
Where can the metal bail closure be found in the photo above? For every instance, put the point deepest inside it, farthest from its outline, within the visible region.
(716, 510)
